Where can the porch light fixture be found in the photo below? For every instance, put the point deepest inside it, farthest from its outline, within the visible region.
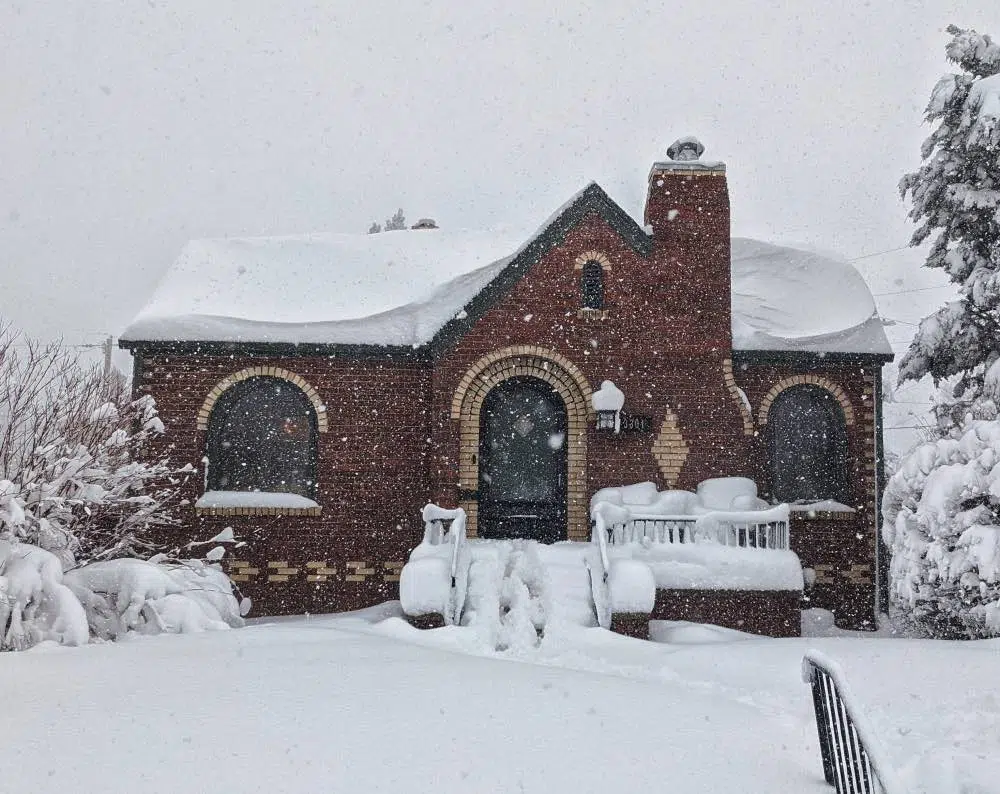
(608, 402)
(606, 420)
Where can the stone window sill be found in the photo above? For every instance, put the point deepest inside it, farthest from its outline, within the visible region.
(258, 511)
(592, 314)
(238, 503)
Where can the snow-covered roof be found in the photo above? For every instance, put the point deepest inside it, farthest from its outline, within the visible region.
(789, 299)
(400, 288)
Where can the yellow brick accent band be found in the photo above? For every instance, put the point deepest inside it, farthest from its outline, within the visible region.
(738, 397)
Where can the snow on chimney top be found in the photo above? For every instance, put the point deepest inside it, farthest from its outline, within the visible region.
(686, 149)
(685, 157)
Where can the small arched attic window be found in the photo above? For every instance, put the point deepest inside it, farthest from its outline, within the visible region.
(592, 285)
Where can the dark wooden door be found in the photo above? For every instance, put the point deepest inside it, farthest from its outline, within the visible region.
(522, 462)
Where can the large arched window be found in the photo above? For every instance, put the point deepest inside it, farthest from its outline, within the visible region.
(262, 437)
(592, 285)
(808, 446)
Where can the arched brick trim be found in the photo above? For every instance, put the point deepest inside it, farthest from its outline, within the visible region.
(266, 372)
(670, 449)
(571, 385)
(806, 380)
(740, 398)
(592, 256)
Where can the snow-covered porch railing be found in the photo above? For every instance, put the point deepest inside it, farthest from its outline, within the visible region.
(433, 580)
(755, 529)
(853, 759)
(436, 533)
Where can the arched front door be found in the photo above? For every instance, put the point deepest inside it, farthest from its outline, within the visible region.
(522, 462)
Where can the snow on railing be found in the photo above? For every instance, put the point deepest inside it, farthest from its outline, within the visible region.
(853, 758)
(755, 529)
(437, 534)
(599, 579)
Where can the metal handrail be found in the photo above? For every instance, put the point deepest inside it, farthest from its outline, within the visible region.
(435, 533)
(599, 537)
(853, 758)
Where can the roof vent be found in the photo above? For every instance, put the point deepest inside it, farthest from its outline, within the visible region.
(685, 149)
(425, 223)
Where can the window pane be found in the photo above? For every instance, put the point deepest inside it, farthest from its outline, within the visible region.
(262, 438)
(808, 446)
(592, 285)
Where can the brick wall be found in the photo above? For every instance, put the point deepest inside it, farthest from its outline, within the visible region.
(839, 547)
(372, 479)
(648, 341)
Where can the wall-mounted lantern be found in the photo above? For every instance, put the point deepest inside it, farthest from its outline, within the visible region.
(606, 420)
(608, 402)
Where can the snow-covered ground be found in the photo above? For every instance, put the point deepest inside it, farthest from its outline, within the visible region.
(355, 703)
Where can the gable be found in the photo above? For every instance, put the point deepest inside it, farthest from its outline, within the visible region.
(591, 201)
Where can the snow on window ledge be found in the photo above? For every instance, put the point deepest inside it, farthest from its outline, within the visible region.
(255, 503)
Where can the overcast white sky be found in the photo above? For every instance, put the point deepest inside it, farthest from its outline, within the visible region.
(127, 128)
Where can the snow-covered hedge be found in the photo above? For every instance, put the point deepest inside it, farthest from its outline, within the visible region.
(39, 602)
(942, 525)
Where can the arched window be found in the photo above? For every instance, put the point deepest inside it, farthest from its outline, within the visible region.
(592, 285)
(262, 437)
(808, 446)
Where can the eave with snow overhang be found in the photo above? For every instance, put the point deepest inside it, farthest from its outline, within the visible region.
(788, 305)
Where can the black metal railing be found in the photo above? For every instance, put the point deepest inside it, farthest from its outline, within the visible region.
(853, 760)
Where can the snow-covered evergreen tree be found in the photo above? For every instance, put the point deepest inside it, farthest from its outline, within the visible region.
(397, 222)
(955, 198)
(942, 506)
(375, 228)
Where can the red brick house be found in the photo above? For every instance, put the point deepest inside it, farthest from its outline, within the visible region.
(328, 386)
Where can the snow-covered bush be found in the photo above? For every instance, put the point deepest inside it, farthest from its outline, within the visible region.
(39, 602)
(942, 525)
(153, 598)
(76, 494)
(71, 477)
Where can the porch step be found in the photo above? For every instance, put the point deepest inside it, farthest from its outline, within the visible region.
(517, 590)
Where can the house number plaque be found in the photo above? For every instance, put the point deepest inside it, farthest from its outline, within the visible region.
(627, 423)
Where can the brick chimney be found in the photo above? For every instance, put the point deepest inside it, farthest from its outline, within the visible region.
(687, 207)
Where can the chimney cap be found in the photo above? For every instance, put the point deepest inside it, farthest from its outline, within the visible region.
(425, 223)
(685, 149)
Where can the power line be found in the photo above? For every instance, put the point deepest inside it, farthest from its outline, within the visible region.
(879, 253)
(907, 291)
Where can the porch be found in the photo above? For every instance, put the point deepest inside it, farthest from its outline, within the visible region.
(730, 567)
